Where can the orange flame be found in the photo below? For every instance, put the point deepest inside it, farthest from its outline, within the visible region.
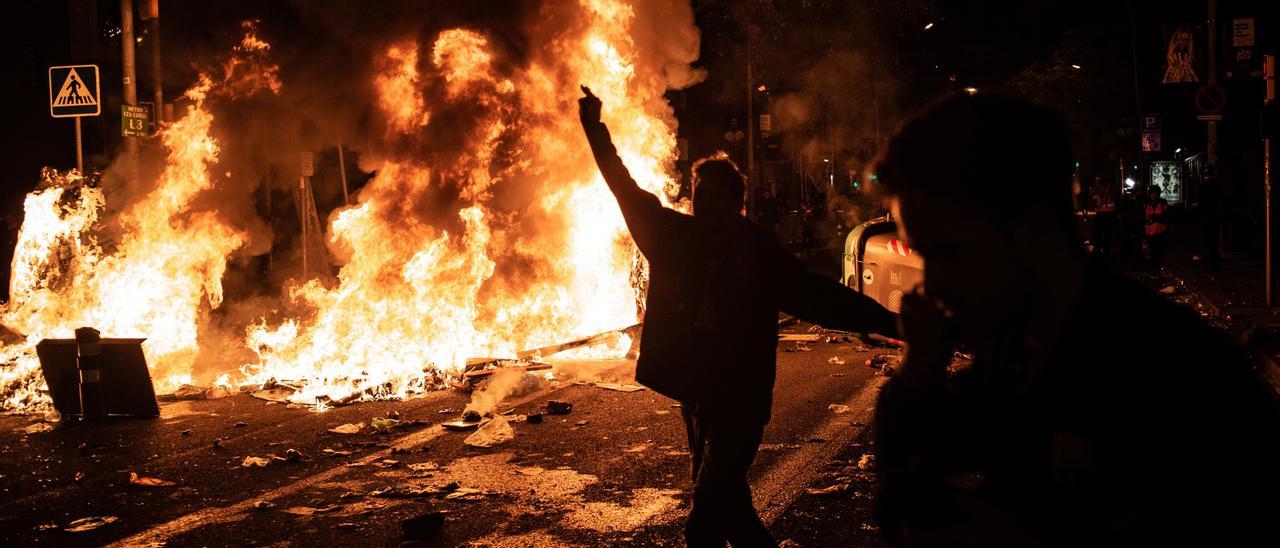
(415, 297)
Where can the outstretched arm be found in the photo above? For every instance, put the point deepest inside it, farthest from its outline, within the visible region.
(641, 209)
(821, 300)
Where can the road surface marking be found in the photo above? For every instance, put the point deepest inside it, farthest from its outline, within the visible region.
(783, 482)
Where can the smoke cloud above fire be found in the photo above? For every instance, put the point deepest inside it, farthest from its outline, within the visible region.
(480, 226)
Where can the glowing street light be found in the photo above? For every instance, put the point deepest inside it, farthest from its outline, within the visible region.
(928, 25)
(971, 90)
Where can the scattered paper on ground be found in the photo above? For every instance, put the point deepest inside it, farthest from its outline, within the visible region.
(145, 481)
(38, 427)
(310, 511)
(619, 387)
(349, 428)
(834, 489)
(838, 408)
(424, 466)
(492, 433)
(90, 523)
(250, 462)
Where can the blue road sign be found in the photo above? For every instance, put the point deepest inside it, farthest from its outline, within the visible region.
(74, 91)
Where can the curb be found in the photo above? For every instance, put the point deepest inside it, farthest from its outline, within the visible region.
(1270, 366)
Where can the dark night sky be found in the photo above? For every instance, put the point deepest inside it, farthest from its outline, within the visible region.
(982, 43)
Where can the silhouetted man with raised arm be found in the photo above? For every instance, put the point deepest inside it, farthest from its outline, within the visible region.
(1095, 413)
(716, 285)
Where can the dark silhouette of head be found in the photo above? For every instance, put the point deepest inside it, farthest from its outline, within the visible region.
(981, 187)
(719, 189)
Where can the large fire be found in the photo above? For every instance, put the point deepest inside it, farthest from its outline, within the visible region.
(415, 296)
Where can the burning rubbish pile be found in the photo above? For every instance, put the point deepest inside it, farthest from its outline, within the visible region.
(482, 230)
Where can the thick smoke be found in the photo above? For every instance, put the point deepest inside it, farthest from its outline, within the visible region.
(469, 132)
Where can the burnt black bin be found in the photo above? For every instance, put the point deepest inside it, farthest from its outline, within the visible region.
(126, 381)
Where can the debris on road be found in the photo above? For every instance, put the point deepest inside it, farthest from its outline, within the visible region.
(423, 527)
(250, 462)
(274, 392)
(534, 418)
(798, 337)
(145, 481)
(90, 523)
(481, 368)
(826, 491)
(801, 347)
(37, 428)
(424, 466)
(193, 392)
(310, 511)
(470, 416)
(838, 409)
(263, 505)
(494, 432)
(292, 455)
(465, 493)
(881, 340)
(599, 338)
(559, 407)
(349, 428)
(383, 425)
(619, 387)
(336, 453)
(460, 426)
(582, 423)
(867, 462)
(879, 361)
(836, 360)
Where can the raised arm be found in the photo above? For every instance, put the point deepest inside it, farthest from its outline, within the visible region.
(641, 209)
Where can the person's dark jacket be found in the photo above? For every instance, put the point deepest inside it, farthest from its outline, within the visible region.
(715, 289)
(1140, 426)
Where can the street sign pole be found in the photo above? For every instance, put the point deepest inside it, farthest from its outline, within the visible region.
(1211, 138)
(1269, 75)
(128, 61)
(74, 92)
(79, 149)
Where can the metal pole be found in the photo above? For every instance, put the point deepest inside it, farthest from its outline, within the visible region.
(1269, 76)
(1137, 92)
(79, 149)
(751, 126)
(1211, 140)
(157, 70)
(130, 72)
(302, 210)
(266, 182)
(342, 171)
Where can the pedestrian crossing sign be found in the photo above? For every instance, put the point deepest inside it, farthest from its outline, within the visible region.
(74, 91)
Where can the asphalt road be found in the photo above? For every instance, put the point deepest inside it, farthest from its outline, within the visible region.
(612, 472)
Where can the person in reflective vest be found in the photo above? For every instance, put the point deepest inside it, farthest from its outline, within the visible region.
(1156, 227)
